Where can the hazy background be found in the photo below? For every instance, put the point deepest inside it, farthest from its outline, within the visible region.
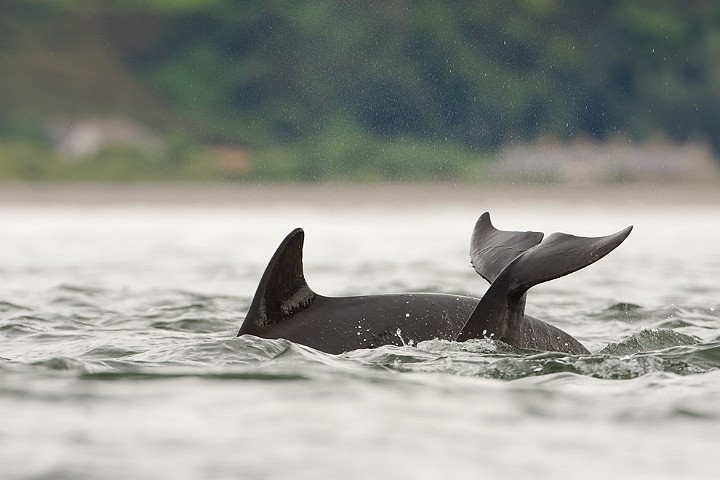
(324, 90)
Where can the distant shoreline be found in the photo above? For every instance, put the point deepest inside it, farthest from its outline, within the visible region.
(352, 195)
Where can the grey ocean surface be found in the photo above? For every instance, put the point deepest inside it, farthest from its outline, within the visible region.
(118, 356)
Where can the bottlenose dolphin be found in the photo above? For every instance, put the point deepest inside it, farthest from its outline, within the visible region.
(285, 306)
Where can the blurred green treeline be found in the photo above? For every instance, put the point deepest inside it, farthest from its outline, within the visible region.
(351, 89)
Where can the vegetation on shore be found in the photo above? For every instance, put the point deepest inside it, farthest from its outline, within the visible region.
(351, 90)
(365, 160)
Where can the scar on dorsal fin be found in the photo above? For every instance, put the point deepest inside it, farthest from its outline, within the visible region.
(491, 250)
(282, 291)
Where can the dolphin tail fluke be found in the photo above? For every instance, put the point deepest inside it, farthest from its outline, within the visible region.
(283, 290)
(501, 312)
(491, 250)
(559, 255)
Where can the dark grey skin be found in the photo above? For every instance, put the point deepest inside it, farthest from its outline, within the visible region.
(284, 306)
(341, 324)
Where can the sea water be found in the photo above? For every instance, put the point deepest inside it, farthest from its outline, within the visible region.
(118, 355)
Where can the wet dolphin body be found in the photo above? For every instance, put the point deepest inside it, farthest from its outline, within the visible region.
(285, 306)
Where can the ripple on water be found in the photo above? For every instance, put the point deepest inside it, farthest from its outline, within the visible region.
(649, 339)
(655, 352)
(178, 332)
(9, 307)
(21, 325)
(62, 363)
(195, 317)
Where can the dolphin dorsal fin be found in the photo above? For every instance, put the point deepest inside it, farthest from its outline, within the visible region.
(282, 291)
(491, 250)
